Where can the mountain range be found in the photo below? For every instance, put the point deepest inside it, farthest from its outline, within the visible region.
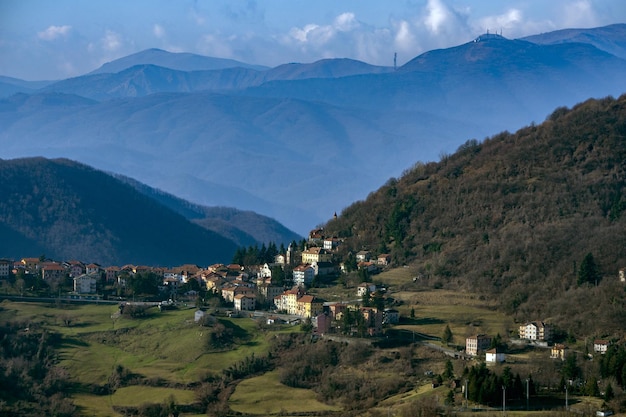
(67, 210)
(301, 141)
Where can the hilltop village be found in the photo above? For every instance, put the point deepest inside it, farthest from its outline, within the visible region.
(277, 292)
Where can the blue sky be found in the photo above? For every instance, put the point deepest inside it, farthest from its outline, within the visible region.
(45, 39)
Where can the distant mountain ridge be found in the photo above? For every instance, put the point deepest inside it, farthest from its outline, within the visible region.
(68, 210)
(611, 38)
(183, 61)
(245, 228)
(301, 141)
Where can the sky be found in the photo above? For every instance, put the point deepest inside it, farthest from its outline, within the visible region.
(56, 39)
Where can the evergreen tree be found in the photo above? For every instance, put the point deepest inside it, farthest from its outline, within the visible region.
(447, 335)
(448, 372)
(588, 272)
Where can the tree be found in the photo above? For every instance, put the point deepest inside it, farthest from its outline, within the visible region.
(588, 272)
(448, 371)
(570, 369)
(447, 335)
(609, 393)
(450, 398)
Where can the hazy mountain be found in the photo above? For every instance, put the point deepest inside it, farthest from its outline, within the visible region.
(70, 211)
(611, 39)
(10, 86)
(145, 79)
(183, 61)
(299, 142)
(245, 228)
(513, 217)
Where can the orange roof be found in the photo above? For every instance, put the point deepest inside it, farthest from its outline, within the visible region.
(308, 299)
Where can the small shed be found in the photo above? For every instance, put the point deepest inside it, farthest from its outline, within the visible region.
(198, 315)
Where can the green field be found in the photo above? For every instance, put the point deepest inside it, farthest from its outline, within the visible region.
(265, 395)
(167, 346)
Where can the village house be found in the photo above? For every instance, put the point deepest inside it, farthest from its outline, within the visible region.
(316, 236)
(303, 275)
(535, 330)
(245, 302)
(269, 292)
(309, 306)
(622, 274)
(369, 266)
(213, 281)
(287, 301)
(74, 268)
(51, 271)
(229, 293)
(30, 264)
(92, 269)
(475, 345)
(280, 259)
(111, 273)
(383, 259)
(494, 356)
(331, 243)
(6, 266)
(322, 323)
(265, 271)
(365, 287)
(324, 268)
(601, 346)
(316, 254)
(85, 284)
(558, 351)
(391, 316)
(335, 310)
(363, 256)
(373, 320)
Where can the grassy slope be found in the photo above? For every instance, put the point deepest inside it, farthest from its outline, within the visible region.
(266, 395)
(164, 345)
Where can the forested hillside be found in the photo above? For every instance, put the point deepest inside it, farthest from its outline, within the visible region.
(514, 216)
(68, 210)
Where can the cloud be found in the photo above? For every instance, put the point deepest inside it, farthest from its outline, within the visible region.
(111, 41)
(54, 32)
(346, 22)
(437, 16)
(579, 13)
(158, 31)
(511, 21)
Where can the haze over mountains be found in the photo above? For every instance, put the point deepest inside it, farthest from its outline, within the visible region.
(301, 141)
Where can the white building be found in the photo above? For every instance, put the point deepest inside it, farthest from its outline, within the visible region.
(303, 275)
(493, 356)
(535, 330)
(245, 302)
(85, 284)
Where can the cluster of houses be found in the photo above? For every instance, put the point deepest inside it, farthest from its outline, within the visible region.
(246, 288)
(536, 332)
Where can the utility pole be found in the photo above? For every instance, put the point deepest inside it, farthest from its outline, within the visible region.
(503, 399)
(566, 404)
(466, 402)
